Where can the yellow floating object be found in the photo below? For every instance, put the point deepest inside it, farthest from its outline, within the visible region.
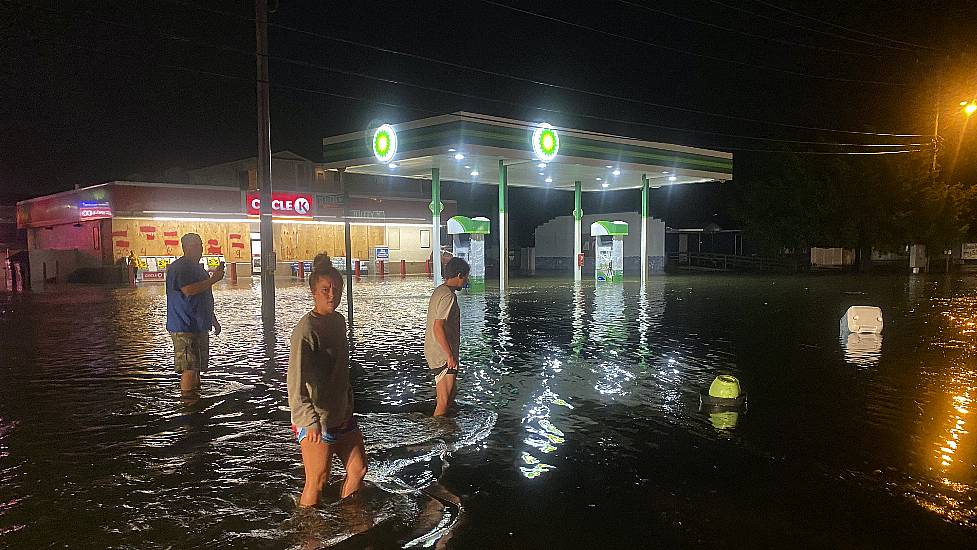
(725, 386)
(724, 420)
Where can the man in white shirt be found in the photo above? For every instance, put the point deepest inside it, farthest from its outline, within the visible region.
(442, 339)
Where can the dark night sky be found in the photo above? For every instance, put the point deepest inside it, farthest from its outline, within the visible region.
(93, 91)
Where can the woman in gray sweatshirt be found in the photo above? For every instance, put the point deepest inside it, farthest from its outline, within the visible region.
(319, 394)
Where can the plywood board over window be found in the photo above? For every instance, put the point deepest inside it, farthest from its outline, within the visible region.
(378, 235)
(305, 241)
(162, 238)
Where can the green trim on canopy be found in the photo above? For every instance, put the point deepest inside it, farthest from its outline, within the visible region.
(473, 226)
(414, 139)
(604, 227)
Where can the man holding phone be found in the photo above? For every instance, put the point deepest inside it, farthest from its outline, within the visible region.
(190, 312)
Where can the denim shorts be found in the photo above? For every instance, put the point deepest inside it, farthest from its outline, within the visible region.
(331, 435)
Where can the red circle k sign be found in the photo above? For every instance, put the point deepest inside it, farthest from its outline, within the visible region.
(283, 204)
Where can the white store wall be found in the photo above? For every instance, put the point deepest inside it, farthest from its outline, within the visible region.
(554, 239)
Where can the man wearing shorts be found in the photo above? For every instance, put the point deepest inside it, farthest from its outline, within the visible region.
(190, 312)
(442, 339)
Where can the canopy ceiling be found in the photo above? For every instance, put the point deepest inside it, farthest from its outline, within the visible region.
(468, 147)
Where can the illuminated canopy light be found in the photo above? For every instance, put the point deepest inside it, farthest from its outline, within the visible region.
(546, 142)
(970, 108)
(385, 143)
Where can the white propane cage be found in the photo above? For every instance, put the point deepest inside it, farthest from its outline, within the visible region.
(862, 319)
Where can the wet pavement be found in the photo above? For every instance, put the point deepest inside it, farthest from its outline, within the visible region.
(581, 424)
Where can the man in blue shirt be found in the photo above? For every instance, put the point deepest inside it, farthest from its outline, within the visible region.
(190, 312)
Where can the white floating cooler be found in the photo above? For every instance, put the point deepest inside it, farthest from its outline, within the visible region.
(862, 320)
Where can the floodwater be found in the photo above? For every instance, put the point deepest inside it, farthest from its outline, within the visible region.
(581, 425)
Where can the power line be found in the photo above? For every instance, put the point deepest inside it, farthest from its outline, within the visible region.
(584, 91)
(839, 153)
(249, 80)
(806, 28)
(363, 75)
(917, 147)
(428, 111)
(744, 33)
(842, 27)
(552, 85)
(694, 54)
(466, 95)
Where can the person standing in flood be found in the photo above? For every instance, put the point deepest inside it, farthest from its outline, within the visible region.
(442, 339)
(190, 312)
(320, 396)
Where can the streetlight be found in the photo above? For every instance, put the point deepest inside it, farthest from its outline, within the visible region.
(969, 108)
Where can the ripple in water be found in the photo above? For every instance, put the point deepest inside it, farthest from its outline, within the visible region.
(580, 402)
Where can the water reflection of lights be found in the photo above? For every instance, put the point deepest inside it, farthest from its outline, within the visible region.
(609, 328)
(504, 335)
(952, 451)
(542, 434)
(578, 320)
(862, 350)
(476, 347)
(956, 431)
(644, 322)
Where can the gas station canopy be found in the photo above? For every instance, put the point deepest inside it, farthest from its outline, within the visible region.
(468, 147)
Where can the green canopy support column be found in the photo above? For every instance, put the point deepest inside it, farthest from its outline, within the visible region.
(644, 228)
(436, 224)
(503, 226)
(577, 229)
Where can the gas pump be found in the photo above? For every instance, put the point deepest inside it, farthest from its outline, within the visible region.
(469, 245)
(609, 249)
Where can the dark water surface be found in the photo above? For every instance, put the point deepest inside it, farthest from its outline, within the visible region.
(581, 426)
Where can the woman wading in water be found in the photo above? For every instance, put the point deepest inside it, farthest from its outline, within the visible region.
(319, 393)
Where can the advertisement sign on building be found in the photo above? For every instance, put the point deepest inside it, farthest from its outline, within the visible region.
(382, 253)
(93, 210)
(283, 204)
(969, 251)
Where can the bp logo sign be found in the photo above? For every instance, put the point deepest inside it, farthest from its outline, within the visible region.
(546, 142)
(384, 143)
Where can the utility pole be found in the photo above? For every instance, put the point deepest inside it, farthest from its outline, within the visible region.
(348, 241)
(936, 122)
(268, 259)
